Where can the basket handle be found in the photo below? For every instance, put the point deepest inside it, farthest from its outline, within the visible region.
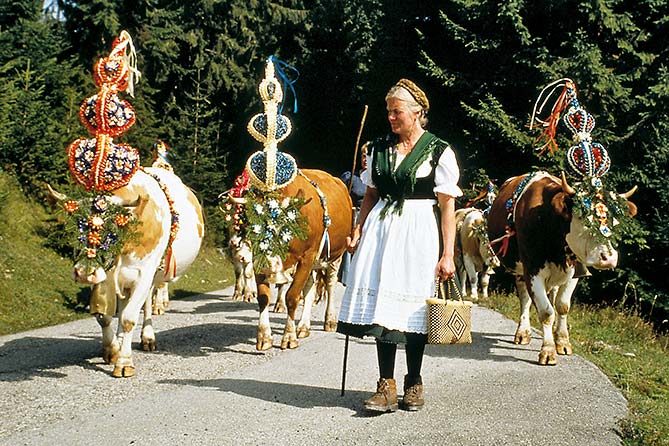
(451, 283)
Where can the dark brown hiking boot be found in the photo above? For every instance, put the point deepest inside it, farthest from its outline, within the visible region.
(413, 393)
(385, 398)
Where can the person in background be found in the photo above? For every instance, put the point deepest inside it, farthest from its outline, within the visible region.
(403, 242)
(357, 191)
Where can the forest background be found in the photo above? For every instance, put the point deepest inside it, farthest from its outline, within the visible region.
(481, 62)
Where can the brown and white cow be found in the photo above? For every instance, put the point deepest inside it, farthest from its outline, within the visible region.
(549, 241)
(474, 256)
(320, 247)
(127, 287)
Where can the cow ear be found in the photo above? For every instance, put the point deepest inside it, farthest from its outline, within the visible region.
(560, 203)
(632, 209)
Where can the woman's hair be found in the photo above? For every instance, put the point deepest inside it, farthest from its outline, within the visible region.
(401, 93)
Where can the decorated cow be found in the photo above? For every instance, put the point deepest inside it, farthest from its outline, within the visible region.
(135, 229)
(299, 216)
(547, 230)
(474, 256)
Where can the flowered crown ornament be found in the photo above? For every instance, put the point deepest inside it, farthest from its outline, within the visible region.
(270, 169)
(588, 161)
(99, 163)
(100, 228)
(586, 158)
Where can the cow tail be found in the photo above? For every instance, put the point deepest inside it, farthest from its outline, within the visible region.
(170, 264)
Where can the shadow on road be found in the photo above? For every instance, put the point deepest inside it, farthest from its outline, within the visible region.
(293, 395)
(30, 357)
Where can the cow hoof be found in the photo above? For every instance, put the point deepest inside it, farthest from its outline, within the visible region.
(522, 337)
(126, 371)
(330, 326)
(110, 355)
(263, 344)
(290, 343)
(158, 311)
(563, 347)
(303, 332)
(250, 298)
(547, 357)
(149, 345)
(279, 308)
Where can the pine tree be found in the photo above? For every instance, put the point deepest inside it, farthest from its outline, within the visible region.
(493, 58)
(34, 95)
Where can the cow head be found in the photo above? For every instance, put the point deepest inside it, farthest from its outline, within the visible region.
(240, 250)
(486, 251)
(593, 214)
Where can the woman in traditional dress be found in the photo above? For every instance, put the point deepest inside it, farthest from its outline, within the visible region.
(403, 240)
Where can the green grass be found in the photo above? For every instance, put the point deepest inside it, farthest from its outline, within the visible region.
(36, 285)
(627, 350)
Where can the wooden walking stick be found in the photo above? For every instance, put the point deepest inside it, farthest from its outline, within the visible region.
(350, 185)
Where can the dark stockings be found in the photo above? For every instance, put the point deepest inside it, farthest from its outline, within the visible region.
(386, 352)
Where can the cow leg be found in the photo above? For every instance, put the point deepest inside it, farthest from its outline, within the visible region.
(124, 367)
(462, 276)
(110, 346)
(264, 334)
(330, 324)
(280, 305)
(240, 282)
(524, 330)
(473, 277)
(250, 284)
(485, 282)
(562, 306)
(148, 334)
(304, 326)
(161, 299)
(300, 278)
(546, 314)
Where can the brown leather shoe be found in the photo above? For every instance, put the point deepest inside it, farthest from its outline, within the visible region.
(413, 394)
(385, 398)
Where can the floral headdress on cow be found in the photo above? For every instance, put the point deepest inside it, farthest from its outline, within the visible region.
(100, 165)
(254, 208)
(587, 161)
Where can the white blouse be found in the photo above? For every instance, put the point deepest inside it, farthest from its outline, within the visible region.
(446, 175)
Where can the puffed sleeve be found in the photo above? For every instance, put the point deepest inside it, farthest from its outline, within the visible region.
(366, 175)
(447, 174)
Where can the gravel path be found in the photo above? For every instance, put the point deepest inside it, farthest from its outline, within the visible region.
(207, 385)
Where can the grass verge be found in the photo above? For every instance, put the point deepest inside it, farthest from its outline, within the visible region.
(627, 350)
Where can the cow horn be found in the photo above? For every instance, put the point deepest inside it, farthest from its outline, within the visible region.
(237, 200)
(57, 195)
(630, 192)
(566, 187)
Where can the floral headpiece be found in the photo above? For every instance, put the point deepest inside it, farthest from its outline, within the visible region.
(586, 158)
(99, 163)
(588, 161)
(270, 169)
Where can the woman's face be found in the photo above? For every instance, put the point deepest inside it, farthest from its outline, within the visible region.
(401, 119)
